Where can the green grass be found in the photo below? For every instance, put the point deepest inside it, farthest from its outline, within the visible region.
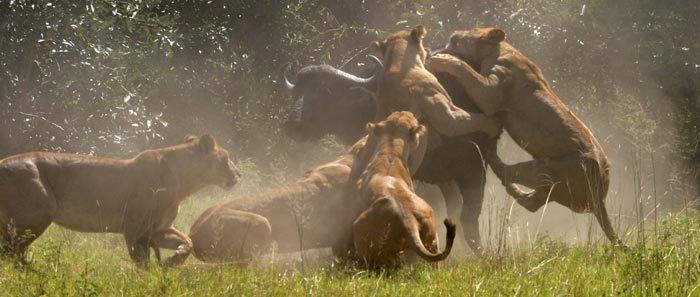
(70, 263)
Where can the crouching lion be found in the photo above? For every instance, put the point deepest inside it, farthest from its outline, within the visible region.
(396, 219)
(137, 197)
(310, 213)
(569, 165)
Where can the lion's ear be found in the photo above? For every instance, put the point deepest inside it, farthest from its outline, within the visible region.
(370, 128)
(207, 143)
(418, 33)
(494, 36)
(190, 138)
(417, 132)
(378, 47)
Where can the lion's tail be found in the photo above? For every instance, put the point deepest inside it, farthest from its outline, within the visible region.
(601, 214)
(413, 236)
(599, 190)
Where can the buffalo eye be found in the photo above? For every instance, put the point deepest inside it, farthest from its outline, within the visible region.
(454, 40)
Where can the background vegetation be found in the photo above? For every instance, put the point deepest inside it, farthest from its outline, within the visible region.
(117, 77)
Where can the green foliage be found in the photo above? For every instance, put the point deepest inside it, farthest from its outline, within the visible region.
(118, 76)
(115, 77)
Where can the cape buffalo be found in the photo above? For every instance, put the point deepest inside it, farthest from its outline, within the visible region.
(341, 104)
(330, 102)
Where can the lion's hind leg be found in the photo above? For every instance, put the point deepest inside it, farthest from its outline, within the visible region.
(375, 235)
(535, 174)
(511, 175)
(17, 237)
(233, 235)
(27, 208)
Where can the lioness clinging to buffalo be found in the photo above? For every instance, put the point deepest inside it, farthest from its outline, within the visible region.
(330, 101)
(137, 197)
(405, 85)
(569, 165)
(396, 219)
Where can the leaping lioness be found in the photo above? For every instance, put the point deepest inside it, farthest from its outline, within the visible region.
(569, 165)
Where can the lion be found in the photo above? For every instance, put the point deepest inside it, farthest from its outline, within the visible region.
(312, 212)
(397, 219)
(569, 165)
(405, 85)
(331, 101)
(136, 197)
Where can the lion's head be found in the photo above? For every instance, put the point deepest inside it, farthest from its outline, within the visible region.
(409, 42)
(401, 134)
(213, 165)
(474, 45)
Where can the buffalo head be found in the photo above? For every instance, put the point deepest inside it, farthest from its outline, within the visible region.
(330, 101)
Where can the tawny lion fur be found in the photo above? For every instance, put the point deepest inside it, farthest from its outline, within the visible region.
(397, 219)
(136, 197)
(312, 212)
(405, 85)
(569, 165)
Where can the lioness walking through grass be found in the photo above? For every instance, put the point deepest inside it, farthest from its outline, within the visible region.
(137, 197)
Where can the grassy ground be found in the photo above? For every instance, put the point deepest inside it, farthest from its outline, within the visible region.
(70, 263)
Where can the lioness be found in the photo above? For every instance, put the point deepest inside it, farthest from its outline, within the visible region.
(405, 85)
(397, 219)
(137, 197)
(330, 101)
(569, 165)
(312, 212)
